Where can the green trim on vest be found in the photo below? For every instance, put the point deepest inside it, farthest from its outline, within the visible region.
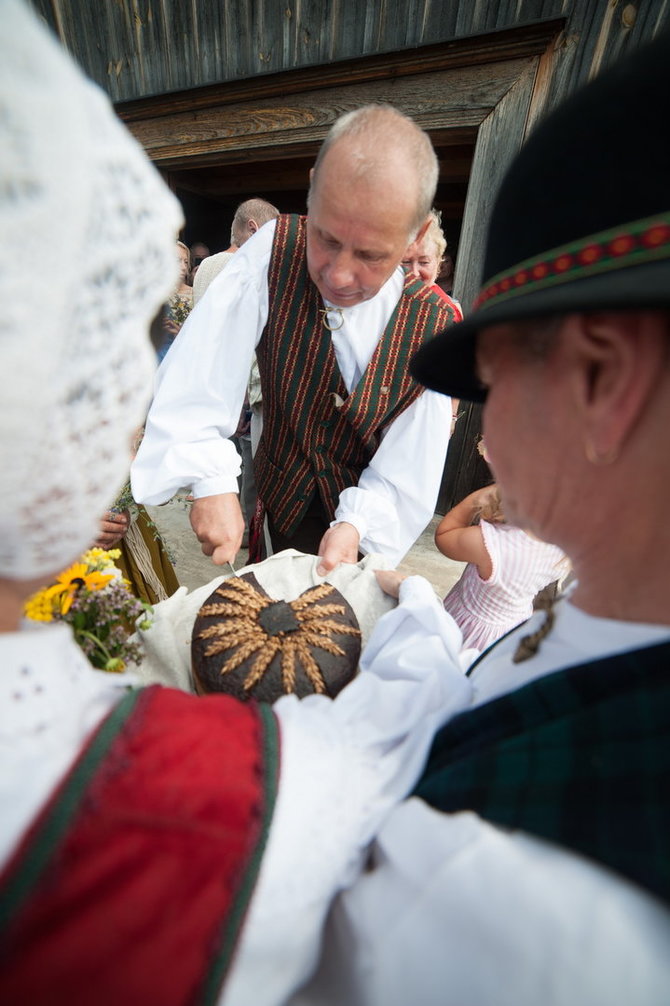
(309, 442)
(38, 857)
(580, 758)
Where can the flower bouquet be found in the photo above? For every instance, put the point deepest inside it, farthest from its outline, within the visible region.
(178, 309)
(96, 601)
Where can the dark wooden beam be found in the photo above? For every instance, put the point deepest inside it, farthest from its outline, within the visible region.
(510, 43)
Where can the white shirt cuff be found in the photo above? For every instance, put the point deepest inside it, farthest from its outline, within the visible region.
(215, 486)
(356, 519)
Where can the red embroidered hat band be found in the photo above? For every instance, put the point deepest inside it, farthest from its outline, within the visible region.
(636, 243)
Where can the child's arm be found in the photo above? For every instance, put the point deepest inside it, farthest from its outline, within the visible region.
(457, 538)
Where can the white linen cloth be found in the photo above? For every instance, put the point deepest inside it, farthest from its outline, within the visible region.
(284, 576)
(200, 388)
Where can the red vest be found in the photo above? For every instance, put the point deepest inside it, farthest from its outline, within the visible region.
(132, 884)
(316, 437)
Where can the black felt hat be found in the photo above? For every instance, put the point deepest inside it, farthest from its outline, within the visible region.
(582, 218)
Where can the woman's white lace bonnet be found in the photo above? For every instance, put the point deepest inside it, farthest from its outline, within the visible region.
(88, 257)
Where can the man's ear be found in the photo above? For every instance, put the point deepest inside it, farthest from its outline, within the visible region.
(618, 357)
(252, 226)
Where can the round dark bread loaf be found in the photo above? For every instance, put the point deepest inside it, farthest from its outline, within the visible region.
(246, 644)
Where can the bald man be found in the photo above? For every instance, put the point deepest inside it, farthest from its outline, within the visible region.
(249, 216)
(352, 450)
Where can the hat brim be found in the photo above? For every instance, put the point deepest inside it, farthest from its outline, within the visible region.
(448, 362)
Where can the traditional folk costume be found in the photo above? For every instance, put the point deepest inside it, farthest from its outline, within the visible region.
(133, 880)
(458, 310)
(132, 823)
(532, 863)
(144, 560)
(448, 907)
(318, 440)
(377, 417)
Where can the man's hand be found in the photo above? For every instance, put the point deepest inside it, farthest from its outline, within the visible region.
(219, 525)
(389, 580)
(339, 544)
(113, 527)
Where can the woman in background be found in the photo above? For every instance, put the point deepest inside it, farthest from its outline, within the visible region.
(424, 259)
(180, 304)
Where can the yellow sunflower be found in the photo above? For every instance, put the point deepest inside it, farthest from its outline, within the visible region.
(72, 579)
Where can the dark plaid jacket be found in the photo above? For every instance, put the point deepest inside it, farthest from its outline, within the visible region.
(580, 757)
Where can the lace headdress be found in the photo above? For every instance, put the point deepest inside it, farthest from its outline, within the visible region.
(88, 233)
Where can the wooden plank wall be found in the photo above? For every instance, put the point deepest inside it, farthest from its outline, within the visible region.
(135, 48)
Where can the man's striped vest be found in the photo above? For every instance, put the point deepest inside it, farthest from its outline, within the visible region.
(317, 437)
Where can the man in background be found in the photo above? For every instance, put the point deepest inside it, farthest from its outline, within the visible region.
(249, 216)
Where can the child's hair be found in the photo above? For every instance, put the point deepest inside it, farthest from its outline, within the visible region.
(490, 509)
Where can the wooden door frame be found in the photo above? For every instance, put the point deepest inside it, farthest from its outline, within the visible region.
(289, 113)
(499, 138)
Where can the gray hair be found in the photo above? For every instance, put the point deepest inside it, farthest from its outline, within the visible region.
(256, 209)
(383, 124)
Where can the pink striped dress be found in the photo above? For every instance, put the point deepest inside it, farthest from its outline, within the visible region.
(486, 609)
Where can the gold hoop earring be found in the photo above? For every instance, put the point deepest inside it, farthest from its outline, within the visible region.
(600, 460)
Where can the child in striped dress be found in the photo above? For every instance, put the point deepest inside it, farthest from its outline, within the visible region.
(506, 568)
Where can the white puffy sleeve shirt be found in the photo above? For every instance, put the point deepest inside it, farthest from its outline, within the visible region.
(453, 911)
(200, 388)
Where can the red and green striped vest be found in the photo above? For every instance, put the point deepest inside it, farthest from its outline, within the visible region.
(132, 884)
(316, 437)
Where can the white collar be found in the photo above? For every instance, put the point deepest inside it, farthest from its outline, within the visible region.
(45, 679)
(575, 638)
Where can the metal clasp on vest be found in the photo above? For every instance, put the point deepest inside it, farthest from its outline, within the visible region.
(326, 323)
